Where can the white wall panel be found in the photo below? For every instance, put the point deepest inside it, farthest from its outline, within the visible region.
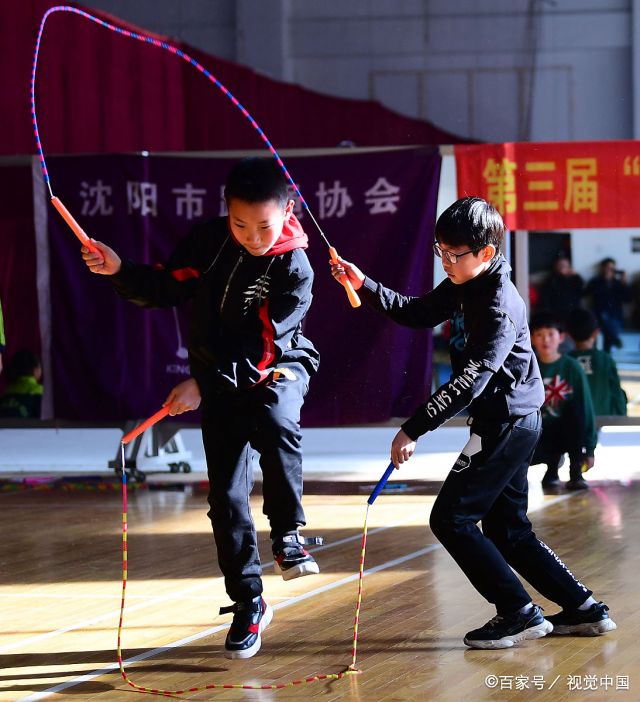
(446, 99)
(398, 90)
(459, 63)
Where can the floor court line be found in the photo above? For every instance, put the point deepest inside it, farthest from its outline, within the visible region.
(174, 595)
(223, 627)
(83, 596)
(101, 617)
(288, 603)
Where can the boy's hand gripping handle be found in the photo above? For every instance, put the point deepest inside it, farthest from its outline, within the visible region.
(351, 293)
(161, 414)
(75, 227)
(381, 483)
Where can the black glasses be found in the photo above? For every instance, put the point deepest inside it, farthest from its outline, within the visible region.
(450, 256)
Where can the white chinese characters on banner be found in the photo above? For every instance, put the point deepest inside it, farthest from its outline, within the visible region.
(333, 202)
(142, 197)
(189, 201)
(383, 197)
(94, 199)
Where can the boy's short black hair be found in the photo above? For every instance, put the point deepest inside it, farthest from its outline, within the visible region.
(257, 180)
(545, 320)
(472, 222)
(581, 324)
(23, 362)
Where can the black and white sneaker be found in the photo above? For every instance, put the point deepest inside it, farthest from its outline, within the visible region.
(594, 621)
(250, 619)
(291, 560)
(505, 630)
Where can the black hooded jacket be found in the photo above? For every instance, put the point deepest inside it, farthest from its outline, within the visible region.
(495, 372)
(247, 310)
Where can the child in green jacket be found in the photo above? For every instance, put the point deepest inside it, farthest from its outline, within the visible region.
(568, 419)
(601, 371)
(22, 397)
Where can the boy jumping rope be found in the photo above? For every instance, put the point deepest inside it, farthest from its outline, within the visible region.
(496, 376)
(250, 282)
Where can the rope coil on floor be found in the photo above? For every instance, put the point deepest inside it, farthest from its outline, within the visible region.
(350, 670)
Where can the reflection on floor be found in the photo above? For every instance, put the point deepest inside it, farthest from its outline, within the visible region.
(60, 591)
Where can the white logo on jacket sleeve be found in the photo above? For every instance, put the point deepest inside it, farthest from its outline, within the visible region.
(257, 291)
(443, 399)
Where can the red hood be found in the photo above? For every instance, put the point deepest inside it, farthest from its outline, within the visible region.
(292, 237)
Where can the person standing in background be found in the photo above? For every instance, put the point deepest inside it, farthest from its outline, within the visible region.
(609, 291)
(562, 290)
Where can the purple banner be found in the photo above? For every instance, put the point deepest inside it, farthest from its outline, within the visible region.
(112, 360)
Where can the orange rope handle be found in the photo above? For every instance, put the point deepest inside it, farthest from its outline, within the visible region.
(350, 670)
(351, 293)
(73, 224)
(136, 431)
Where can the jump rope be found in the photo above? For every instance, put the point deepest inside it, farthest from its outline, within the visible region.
(145, 38)
(351, 668)
(86, 241)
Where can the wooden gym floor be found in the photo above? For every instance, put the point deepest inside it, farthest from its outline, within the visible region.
(60, 580)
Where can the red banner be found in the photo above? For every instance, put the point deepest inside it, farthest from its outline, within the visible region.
(563, 185)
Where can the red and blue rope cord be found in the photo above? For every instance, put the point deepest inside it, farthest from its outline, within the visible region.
(146, 39)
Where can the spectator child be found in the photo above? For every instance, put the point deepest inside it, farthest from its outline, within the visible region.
(22, 397)
(568, 420)
(606, 393)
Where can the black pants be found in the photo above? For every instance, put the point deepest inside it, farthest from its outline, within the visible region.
(265, 418)
(564, 435)
(491, 486)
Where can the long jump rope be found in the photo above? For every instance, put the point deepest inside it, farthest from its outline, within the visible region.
(86, 241)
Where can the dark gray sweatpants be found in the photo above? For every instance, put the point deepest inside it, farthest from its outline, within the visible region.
(265, 418)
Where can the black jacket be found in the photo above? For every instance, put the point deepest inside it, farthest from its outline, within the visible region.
(247, 310)
(495, 372)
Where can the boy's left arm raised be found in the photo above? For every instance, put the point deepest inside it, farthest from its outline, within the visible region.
(424, 312)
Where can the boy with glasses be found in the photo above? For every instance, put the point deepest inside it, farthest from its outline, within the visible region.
(495, 375)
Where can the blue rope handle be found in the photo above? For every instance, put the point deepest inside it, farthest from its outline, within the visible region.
(381, 483)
